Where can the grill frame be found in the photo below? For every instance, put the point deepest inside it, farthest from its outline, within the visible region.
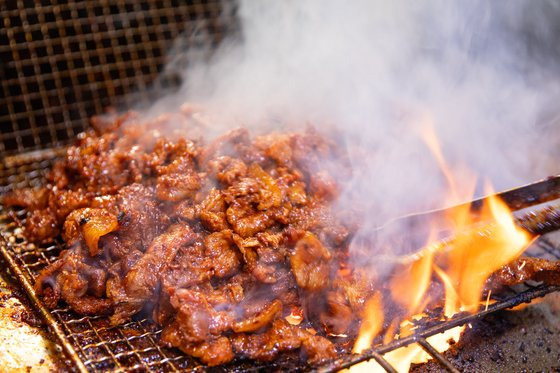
(136, 341)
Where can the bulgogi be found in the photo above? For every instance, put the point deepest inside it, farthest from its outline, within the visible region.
(219, 241)
(232, 246)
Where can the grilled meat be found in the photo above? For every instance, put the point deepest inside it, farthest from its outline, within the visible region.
(31, 199)
(218, 241)
(526, 269)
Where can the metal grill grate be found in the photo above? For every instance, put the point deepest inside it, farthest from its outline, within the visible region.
(62, 61)
(95, 346)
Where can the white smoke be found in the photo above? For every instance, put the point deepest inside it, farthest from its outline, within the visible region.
(375, 70)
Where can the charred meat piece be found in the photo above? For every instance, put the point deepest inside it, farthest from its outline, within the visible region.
(211, 352)
(41, 226)
(526, 269)
(197, 319)
(88, 224)
(338, 315)
(177, 177)
(260, 320)
(227, 170)
(63, 202)
(213, 211)
(310, 263)
(78, 280)
(141, 282)
(220, 249)
(140, 218)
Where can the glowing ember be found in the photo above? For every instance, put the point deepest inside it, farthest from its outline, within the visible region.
(487, 300)
(338, 335)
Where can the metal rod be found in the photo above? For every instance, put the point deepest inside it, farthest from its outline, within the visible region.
(384, 363)
(541, 221)
(533, 194)
(43, 311)
(368, 355)
(435, 353)
(33, 156)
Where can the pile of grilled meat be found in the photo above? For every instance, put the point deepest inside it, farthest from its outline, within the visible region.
(219, 241)
(235, 246)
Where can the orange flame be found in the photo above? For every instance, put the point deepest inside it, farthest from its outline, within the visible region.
(475, 254)
(478, 248)
(451, 297)
(409, 287)
(372, 323)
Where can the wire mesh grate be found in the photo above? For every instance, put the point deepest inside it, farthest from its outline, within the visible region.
(63, 61)
(134, 346)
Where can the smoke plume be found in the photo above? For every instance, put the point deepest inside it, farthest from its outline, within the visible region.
(483, 74)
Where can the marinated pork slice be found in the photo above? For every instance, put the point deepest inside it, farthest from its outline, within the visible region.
(281, 337)
(29, 198)
(141, 282)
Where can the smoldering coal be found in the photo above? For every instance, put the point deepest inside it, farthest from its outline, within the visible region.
(484, 74)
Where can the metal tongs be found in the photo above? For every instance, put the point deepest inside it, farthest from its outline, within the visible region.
(409, 232)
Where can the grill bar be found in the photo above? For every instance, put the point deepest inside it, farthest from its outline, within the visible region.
(549, 247)
(384, 363)
(542, 221)
(432, 351)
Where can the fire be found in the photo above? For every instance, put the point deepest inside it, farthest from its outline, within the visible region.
(409, 287)
(372, 323)
(477, 248)
(474, 254)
